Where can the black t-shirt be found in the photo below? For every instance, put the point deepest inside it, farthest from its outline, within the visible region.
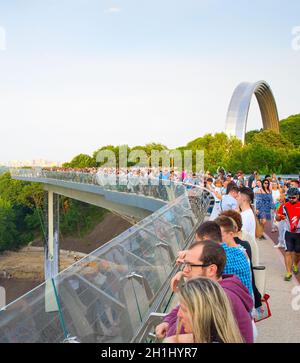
(246, 245)
(250, 181)
(257, 295)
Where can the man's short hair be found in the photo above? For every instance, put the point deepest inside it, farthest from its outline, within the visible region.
(232, 187)
(295, 181)
(248, 192)
(210, 230)
(235, 216)
(227, 223)
(212, 254)
(210, 180)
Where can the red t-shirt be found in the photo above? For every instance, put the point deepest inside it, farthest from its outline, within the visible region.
(293, 211)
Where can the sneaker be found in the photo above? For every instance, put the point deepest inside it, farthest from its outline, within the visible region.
(279, 245)
(288, 277)
(295, 269)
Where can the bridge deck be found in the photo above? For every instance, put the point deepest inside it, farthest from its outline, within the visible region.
(284, 325)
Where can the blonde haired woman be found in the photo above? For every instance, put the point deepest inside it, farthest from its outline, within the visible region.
(206, 315)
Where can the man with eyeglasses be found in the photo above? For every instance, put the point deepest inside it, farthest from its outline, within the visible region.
(208, 259)
(290, 213)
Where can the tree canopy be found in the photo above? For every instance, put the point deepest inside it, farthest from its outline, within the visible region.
(271, 139)
(264, 150)
(290, 128)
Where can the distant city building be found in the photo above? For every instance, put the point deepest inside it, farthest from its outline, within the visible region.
(34, 163)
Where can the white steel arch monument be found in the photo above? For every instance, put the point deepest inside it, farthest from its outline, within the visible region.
(237, 115)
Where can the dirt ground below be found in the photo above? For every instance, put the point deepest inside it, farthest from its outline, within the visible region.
(26, 267)
(15, 288)
(111, 226)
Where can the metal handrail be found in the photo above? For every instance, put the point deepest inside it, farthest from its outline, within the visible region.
(202, 198)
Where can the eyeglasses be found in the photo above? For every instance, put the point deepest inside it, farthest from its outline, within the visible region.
(188, 266)
(293, 198)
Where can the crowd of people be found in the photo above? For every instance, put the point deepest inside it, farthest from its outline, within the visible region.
(218, 300)
(274, 201)
(166, 174)
(216, 287)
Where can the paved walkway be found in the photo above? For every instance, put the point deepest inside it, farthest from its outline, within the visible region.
(284, 325)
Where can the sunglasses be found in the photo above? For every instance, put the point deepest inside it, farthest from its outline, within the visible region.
(293, 198)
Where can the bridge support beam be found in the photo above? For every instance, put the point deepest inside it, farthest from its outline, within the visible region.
(2, 297)
(51, 248)
(129, 205)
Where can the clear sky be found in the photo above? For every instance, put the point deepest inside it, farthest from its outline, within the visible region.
(79, 74)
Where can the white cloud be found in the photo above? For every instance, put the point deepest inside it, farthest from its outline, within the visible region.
(114, 9)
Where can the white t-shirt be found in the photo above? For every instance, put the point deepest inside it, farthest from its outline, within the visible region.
(248, 220)
(217, 190)
(276, 196)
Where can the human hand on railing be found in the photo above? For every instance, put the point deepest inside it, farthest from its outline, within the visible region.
(161, 330)
(176, 280)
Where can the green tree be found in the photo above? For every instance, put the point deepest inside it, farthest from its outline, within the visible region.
(250, 135)
(8, 231)
(262, 158)
(271, 139)
(81, 161)
(25, 200)
(78, 218)
(290, 128)
(291, 164)
(114, 149)
(218, 149)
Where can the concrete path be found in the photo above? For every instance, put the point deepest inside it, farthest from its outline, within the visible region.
(284, 325)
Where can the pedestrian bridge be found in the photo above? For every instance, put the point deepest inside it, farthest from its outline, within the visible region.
(129, 199)
(119, 292)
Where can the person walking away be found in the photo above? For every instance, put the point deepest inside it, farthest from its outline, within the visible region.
(290, 213)
(264, 203)
(276, 195)
(281, 224)
(252, 179)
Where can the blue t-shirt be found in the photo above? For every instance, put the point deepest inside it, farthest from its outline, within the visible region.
(238, 264)
(228, 202)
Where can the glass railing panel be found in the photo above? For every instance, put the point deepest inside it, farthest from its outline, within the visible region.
(170, 233)
(93, 315)
(159, 189)
(106, 296)
(150, 264)
(33, 318)
(178, 217)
